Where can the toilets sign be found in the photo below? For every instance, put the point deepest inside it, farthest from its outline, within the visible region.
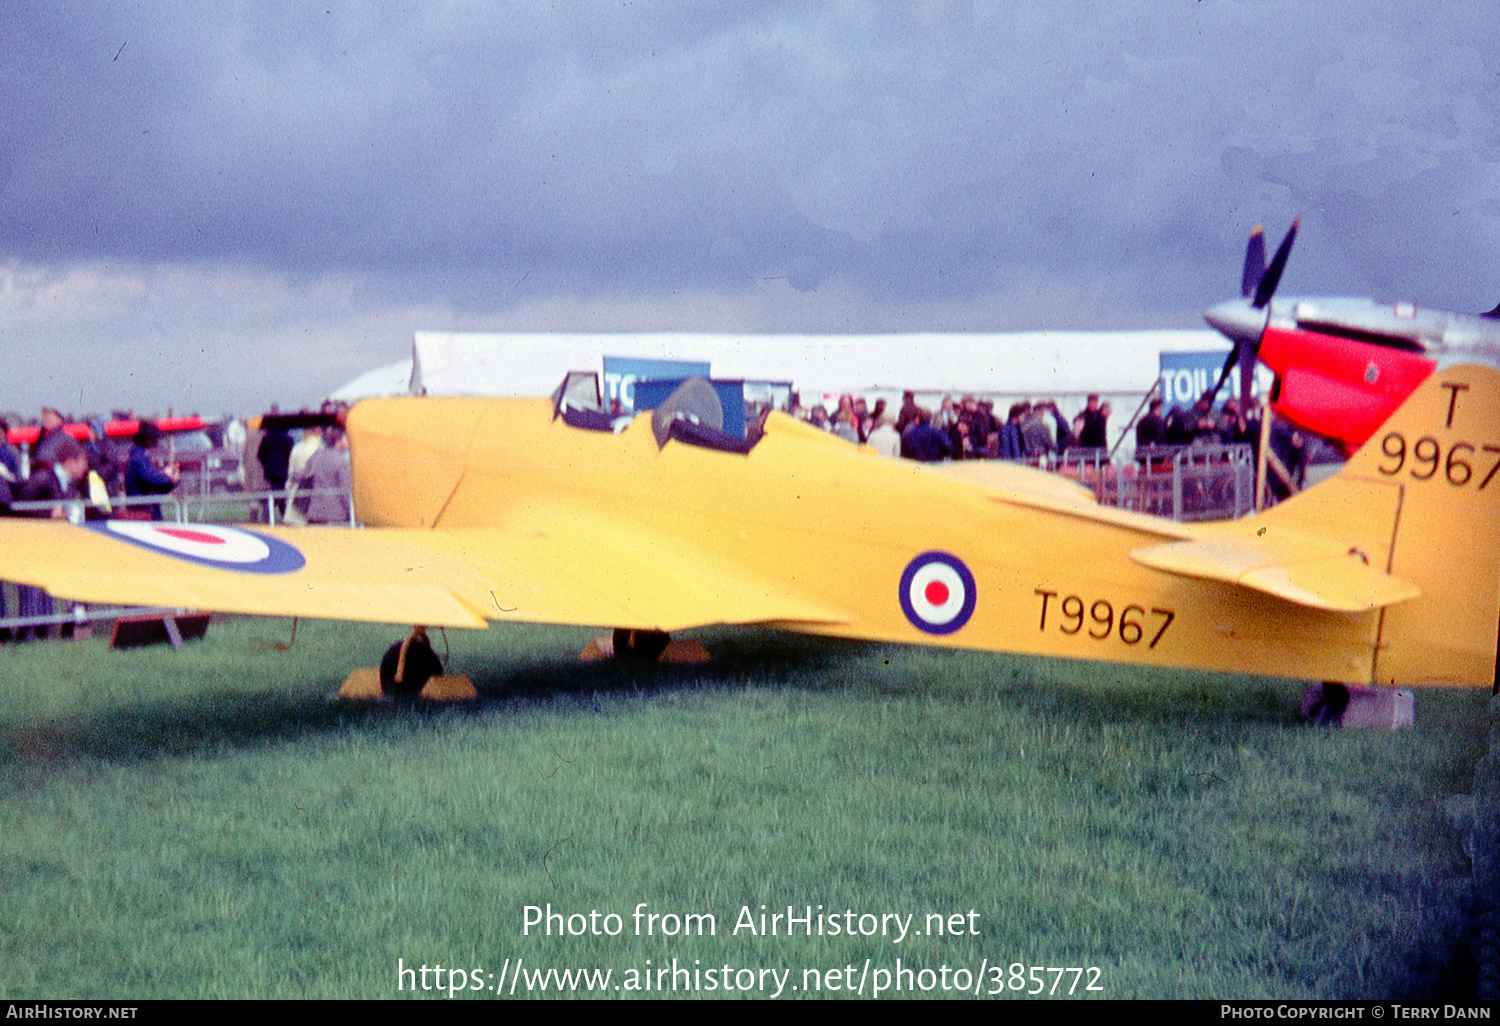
(1186, 376)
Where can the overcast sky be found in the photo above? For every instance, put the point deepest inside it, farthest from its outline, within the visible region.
(214, 206)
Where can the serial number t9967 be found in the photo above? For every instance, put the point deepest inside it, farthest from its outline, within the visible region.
(1425, 461)
(1099, 620)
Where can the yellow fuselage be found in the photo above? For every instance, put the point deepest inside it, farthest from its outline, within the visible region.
(838, 527)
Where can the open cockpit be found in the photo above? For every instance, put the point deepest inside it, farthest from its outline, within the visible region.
(692, 412)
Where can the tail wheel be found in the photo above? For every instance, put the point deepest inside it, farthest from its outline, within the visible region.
(1327, 707)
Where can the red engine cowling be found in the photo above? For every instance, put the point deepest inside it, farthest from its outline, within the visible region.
(1339, 388)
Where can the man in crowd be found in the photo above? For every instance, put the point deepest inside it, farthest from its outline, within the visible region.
(924, 442)
(63, 479)
(327, 475)
(1095, 433)
(1151, 429)
(142, 475)
(52, 435)
(275, 456)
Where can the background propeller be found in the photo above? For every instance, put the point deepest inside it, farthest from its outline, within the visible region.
(1258, 284)
(1255, 261)
(1272, 277)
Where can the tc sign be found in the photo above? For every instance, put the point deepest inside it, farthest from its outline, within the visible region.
(622, 372)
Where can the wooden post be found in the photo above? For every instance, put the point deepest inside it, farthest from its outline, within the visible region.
(1261, 452)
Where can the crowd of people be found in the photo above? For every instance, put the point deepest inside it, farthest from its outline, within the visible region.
(1229, 425)
(83, 477)
(967, 428)
(1038, 432)
(313, 470)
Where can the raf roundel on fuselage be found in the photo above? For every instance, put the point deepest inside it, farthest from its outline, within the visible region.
(937, 593)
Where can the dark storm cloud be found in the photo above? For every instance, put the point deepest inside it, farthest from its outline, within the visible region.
(918, 151)
(377, 139)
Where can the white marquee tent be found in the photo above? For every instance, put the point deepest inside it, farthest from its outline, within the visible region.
(1034, 364)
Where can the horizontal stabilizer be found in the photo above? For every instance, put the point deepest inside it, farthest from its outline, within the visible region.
(1298, 569)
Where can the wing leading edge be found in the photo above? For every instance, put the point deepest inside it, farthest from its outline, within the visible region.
(576, 571)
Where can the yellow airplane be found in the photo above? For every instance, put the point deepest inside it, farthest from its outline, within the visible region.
(496, 509)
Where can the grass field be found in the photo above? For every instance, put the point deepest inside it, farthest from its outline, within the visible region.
(207, 823)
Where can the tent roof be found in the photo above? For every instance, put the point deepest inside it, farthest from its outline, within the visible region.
(1027, 363)
(390, 379)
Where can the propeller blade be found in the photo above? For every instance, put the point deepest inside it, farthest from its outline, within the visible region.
(1268, 282)
(1247, 374)
(1229, 362)
(1255, 261)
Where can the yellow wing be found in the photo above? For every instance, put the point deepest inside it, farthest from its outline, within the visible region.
(578, 570)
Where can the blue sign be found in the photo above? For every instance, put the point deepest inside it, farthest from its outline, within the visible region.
(1186, 376)
(622, 372)
(651, 394)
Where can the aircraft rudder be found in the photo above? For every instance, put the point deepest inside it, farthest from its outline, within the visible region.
(1444, 433)
(1440, 455)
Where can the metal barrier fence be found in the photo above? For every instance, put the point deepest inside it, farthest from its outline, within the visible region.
(1184, 482)
(177, 507)
(272, 503)
(76, 510)
(77, 614)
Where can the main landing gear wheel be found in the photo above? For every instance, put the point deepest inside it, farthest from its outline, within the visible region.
(1352, 706)
(635, 647)
(410, 669)
(408, 665)
(643, 646)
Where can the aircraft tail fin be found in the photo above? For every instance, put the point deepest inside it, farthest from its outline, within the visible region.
(1421, 500)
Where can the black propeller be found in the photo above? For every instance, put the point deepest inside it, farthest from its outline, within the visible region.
(1255, 261)
(1260, 281)
(1272, 277)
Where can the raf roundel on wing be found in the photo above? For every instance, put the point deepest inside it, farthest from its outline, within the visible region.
(937, 593)
(227, 548)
